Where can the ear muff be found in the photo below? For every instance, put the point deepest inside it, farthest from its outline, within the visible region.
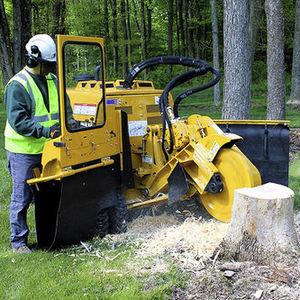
(33, 57)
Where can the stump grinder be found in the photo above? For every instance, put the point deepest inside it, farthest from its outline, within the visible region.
(125, 146)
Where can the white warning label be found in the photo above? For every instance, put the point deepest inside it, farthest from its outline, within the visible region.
(137, 128)
(213, 150)
(147, 159)
(84, 109)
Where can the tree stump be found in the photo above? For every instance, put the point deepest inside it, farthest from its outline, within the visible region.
(262, 221)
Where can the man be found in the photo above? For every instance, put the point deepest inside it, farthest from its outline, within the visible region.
(31, 100)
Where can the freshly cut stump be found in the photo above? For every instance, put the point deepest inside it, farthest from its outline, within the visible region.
(262, 221)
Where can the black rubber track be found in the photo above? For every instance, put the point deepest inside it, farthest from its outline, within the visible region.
(118, 216)
(103, 222)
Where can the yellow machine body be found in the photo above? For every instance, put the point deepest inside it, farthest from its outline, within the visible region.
(197, 142)
(118, 134)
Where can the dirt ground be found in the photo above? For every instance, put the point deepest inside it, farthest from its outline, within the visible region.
(220, 278)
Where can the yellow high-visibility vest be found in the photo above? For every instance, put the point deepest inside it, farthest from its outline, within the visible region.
(14, 142)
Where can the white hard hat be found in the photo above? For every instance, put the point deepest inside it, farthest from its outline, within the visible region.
(46, 47)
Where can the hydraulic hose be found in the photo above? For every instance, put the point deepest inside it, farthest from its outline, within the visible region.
(169, 115)
(196, 90)
(166, 60)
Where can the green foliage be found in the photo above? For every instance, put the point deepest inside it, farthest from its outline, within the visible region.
(259, 72)
(1, 88)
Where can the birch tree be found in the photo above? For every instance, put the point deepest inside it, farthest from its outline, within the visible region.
(275, 60)
(237, 71)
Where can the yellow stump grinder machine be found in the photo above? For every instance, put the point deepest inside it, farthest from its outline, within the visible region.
(125, 146)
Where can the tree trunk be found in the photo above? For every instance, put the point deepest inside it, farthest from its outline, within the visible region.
(190, 29)
(262, 222)
(26, 29)
(115, 36)
(214, 22)
(5, 46)
(22, 33)
(149, 21)
(198, 31)
(295, 91)
(59, 18)
(36, 19)
(186, 28)
(255, 13)
(135, 16)
(17, 54)
(63, 14)
(106, 38)
(275, 59)
(47, 16)
(22, 15)
(170, 33)
(125, 39)
(129, 34)
(237, 71)
(56, 9)
(181, 26)
(177, 51)
(143, 30)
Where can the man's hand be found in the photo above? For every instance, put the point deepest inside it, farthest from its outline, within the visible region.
(54, 131)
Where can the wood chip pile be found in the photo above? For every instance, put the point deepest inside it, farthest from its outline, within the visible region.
(190, 242)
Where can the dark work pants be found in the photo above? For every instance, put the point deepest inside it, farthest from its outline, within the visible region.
(20, 169)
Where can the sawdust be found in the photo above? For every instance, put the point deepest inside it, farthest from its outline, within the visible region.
(170, 235)
(144, 227)
(193, 241)
(191, 244)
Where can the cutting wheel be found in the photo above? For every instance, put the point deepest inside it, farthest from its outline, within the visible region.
(236, 172)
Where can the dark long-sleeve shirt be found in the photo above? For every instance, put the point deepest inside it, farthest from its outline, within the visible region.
(19, 107)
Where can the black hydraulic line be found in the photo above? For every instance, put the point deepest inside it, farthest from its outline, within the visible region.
(166, 111)
(167, 60)
(164, 105)
(196, 90)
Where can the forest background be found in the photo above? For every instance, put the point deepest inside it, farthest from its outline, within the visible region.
(134, 30)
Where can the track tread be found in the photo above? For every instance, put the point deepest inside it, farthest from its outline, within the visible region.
(118, 216)
(103, 222)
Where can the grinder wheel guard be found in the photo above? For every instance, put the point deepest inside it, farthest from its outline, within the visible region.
(236, 172)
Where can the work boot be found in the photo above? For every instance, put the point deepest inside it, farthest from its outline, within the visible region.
(22, 250)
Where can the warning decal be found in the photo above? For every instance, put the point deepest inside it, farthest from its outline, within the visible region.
(84, 109)
(137, 128)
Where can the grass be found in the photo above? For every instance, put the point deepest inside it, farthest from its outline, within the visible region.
(71, 273)
(294, 180)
